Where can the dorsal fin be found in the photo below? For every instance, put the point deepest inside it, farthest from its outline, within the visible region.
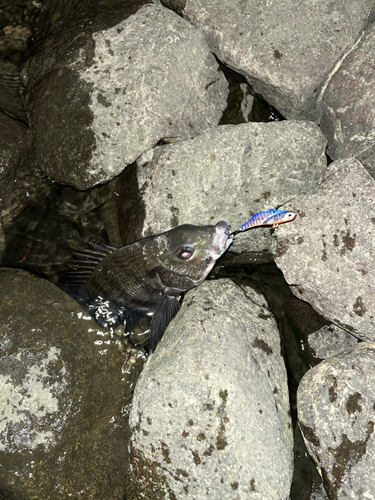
(83, 264)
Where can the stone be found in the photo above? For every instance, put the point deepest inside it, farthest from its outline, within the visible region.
(229, 173)
(329, 341)
(61, 396)
(286, 50)
(336, 414)
(118, 91)
(348, 114)
(327, 254)
(210, 415)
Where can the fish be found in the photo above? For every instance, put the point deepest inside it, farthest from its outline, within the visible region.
(142, 283)
(270, 217)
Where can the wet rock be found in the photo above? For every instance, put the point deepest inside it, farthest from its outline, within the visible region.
(336, 414)
(11, 90)
(329, 341)
(348, 119)
(327, 254)
(285, 50)
(62, 433)
(116, 92)
(15, 29)
(229, 173)
(210, 414)
(20, 178)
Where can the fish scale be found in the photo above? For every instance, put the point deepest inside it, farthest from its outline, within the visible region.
(145, 279)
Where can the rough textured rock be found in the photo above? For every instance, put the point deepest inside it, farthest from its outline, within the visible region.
(329, 341)
(327, 254)
(117, 92)
(229, 173)
(20, 179)
(62, 434)
(348, 119)
(210, 415)
(17, 19)
(336, 414)
(284, 49)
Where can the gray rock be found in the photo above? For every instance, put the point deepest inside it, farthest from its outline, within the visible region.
(117, 92)
(286, 50)
(348, 119)
(61, 396)
(327, 254)
(210, 416)
(229, 173)
(19, 176)
(336, 414)
(329, 341)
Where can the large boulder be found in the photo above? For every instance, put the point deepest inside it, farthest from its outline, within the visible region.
(348, 119)
(327, 255)
(286, 50)
(210, 416)
(98, 99)
(229, 173)
(336, 414)
(62, 433)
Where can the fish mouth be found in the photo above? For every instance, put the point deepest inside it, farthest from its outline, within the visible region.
(222, 240)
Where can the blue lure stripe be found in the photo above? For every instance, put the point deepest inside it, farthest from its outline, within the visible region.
(270, 217)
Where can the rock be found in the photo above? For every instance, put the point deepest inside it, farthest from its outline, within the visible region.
(286, 50)
(118, 91)
(348, 119)
(11, 90)
(210, 416)
(229, 173)
(336, 414)
(20, 179)
(327, 254)
(329, 341)
(61, 430)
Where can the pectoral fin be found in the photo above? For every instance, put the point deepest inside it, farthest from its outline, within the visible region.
(162, 316)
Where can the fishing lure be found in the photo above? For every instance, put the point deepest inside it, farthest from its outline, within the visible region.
(270, 217)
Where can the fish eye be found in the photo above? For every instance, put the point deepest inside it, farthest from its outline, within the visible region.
(185, 252)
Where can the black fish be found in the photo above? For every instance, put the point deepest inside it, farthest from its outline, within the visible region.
(146, 278)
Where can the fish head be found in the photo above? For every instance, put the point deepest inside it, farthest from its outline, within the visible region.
(185, 255)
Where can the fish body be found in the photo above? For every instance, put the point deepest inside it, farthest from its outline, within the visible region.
(270, 217)
(146, 279)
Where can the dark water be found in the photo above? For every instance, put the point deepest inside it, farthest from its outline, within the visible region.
(44, 236)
